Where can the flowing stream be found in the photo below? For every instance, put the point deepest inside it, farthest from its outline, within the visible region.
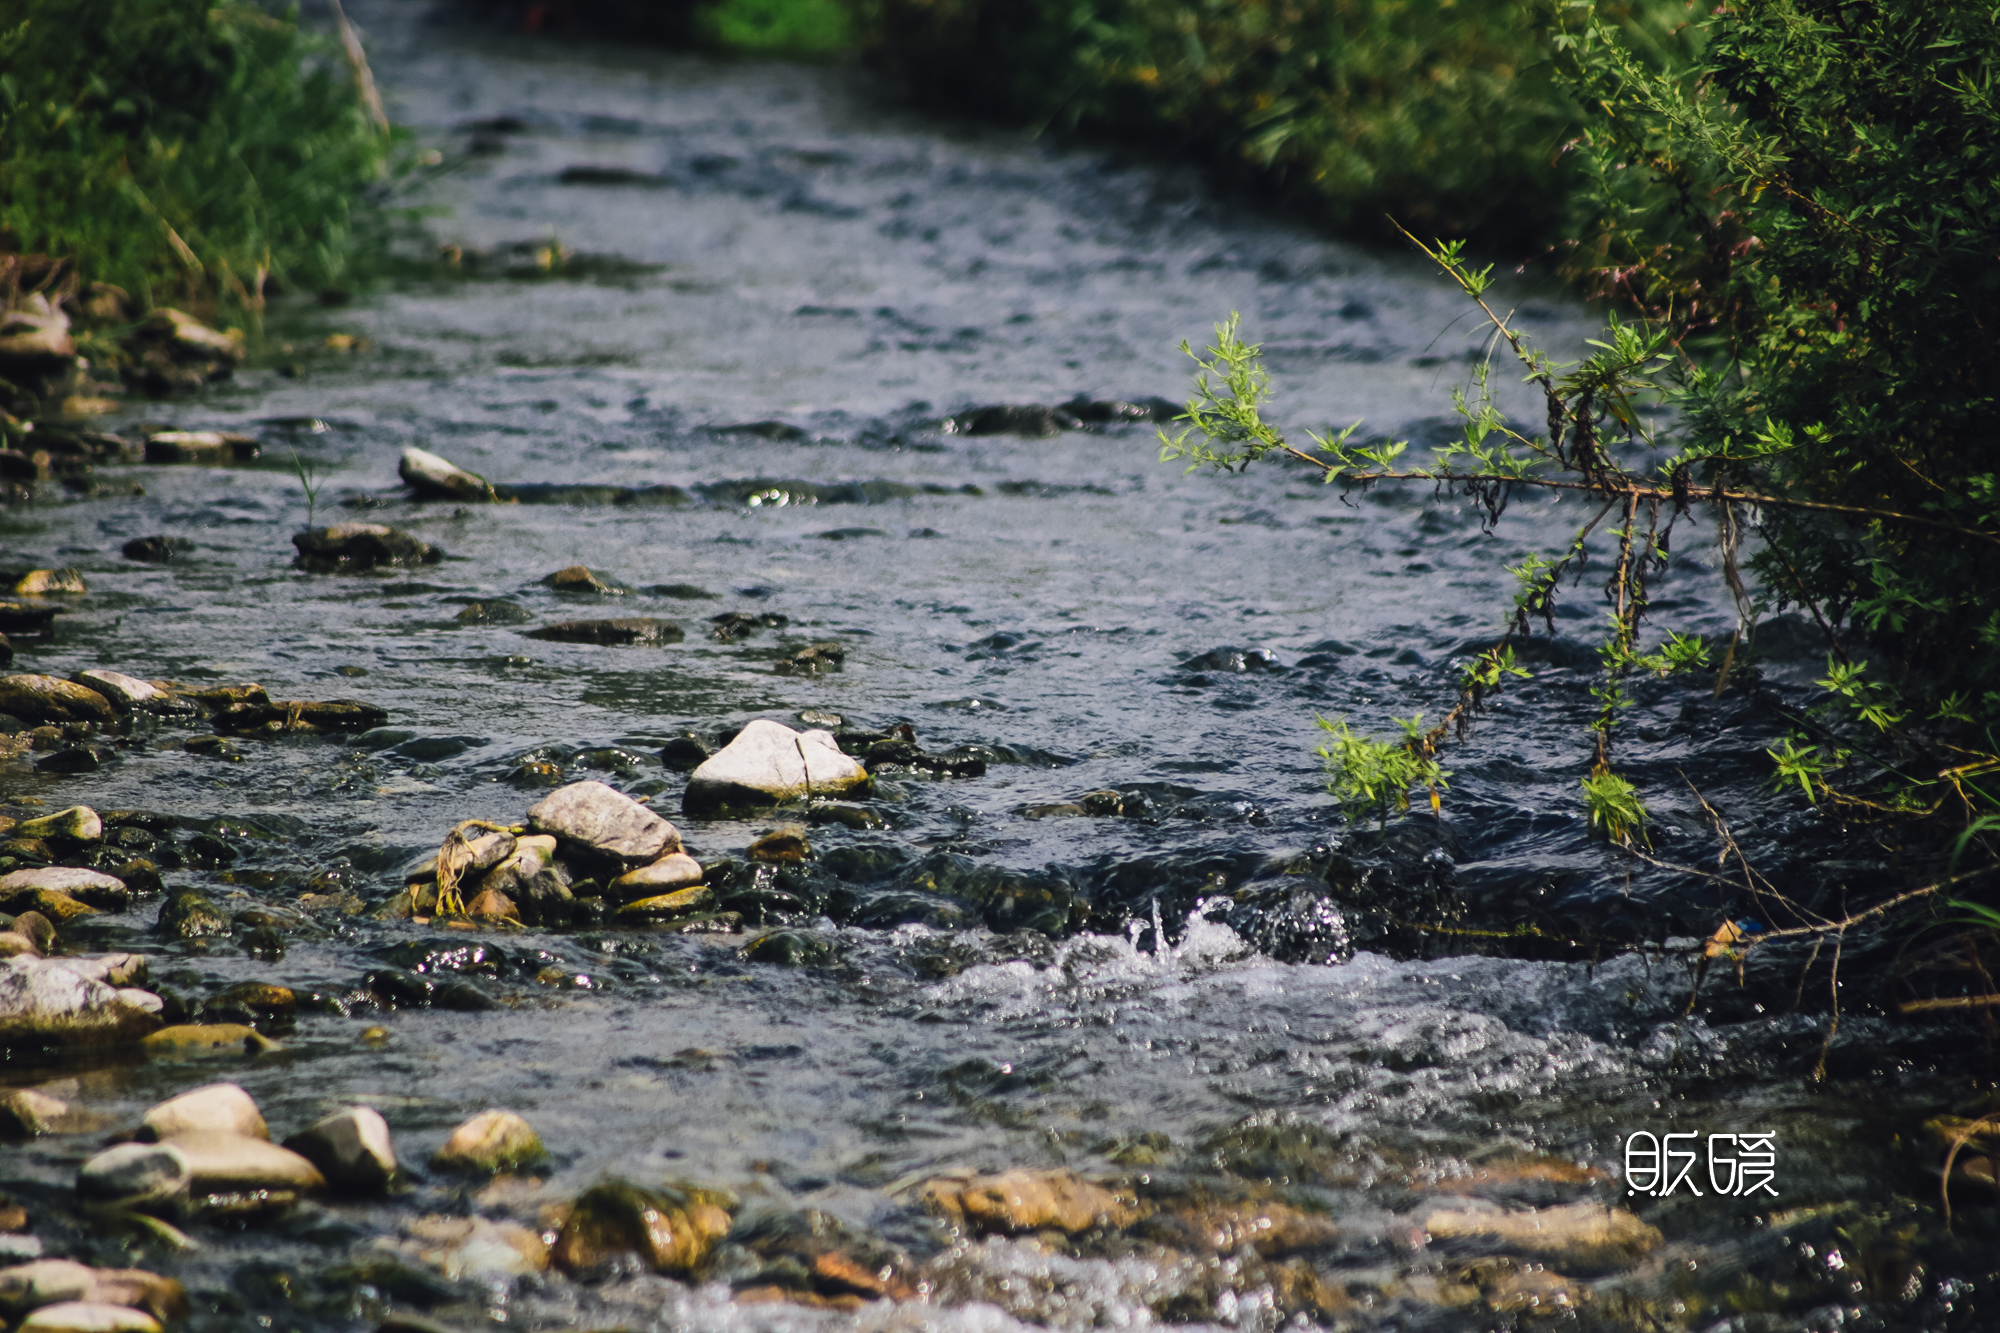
(775, 290)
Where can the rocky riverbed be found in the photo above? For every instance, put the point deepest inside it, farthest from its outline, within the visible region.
(687, 769)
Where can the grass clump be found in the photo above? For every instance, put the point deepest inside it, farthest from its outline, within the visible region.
(188, 154)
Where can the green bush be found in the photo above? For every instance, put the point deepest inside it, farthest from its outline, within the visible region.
(180, 151)
(1442, 113)
(1814, 209)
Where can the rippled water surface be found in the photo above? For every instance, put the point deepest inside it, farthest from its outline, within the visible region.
(781, 296)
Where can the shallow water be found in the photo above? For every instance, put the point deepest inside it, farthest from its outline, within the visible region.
(810, 285)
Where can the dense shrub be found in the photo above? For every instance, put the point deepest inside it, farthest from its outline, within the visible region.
(1442, 113)
(1814, 209)
(180, 150)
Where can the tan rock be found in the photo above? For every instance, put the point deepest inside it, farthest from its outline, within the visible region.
(28, 1113)
(92, 888)
(491, 905)
(219, 1108)
(1270, 1228)
(1022, 1200)
(88, 1317)
(666, 875)
(13, 944)
(490, 1141)
(189, 1039)
(235, 1163)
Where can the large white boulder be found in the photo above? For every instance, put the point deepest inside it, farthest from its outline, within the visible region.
(768, 762)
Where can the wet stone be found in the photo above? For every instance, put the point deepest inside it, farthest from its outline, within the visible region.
(351, 1148)
(623, 631)
(136, 1175)
(26, 1113)
(668, 906)
(88, 1317)
(493, 613)
(785, 845)
(349, 548)
(812, 660)
(491, 1141)
(46, 699)
(430, 477)
(671, 1228)
(791, 948)
(191, 915)
(583, 580)
(156, 550)
(1020, 1201)
(733, 625)
(50, 583)
(72, 759)
(128, 694)
(260, 1004)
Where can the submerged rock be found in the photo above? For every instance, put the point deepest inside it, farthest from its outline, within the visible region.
(1017, 1201)
(623, 630)
(475, 1248)
(348, 548)
(435, 478)
(1032, 419)
(580, 579)
(1585, 1234)
(351, 1148)
(781, 845)
(46, 699)
(26, 1113)
(156, 550)
(190, 915)
(606, 821)
(768, 762)
(493, 613)
(812, 660)
(311, 716)
(201, 446)
(51, 583)
(491, 1141)
(672, 1229)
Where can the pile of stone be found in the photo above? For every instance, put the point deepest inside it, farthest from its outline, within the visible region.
(582, 840)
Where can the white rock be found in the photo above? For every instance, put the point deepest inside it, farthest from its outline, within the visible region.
(605, 820)
(75, 881)
(117, 970)
(219, 1108)
(429, 475)
(88, 1317)
(351, 1148)
(129, 694)
(25, 1287)
(769, 762)
(43, 1002)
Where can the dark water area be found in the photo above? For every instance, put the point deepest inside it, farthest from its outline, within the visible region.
(727, 331)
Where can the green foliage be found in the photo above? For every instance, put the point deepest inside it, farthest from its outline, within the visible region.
(1443, 113)
(1811, 209)
(1371, 777)
(180, 151)
(797, 28)
(1614, 807)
